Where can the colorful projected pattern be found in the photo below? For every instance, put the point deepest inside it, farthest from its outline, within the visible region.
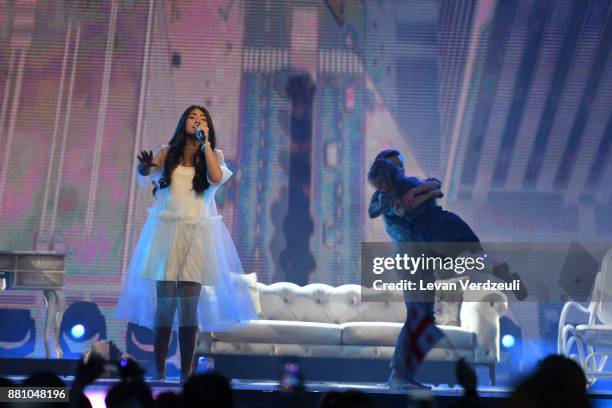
(509, 103)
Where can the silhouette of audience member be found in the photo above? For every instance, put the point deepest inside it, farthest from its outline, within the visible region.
(86, 374)
(347, 399)
(557, 382)
(5, 382)
(466, 376)
(332, 399)
(357, 399)
(130, 370)
(566, 371)
(207, 390)
(129, 394)
(168, 399)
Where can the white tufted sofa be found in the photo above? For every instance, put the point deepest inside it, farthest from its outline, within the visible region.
(322, 321)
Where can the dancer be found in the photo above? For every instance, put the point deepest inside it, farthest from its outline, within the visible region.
(185, 260)
(429, 222)
(398, 227)
(400, 230)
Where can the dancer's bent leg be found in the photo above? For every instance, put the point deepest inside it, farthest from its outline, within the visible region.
(445, 227)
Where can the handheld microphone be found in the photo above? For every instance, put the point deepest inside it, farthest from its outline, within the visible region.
(198, 133)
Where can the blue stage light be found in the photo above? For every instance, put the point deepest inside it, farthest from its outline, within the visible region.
(508, 341)
(75, 339)
(77, 331)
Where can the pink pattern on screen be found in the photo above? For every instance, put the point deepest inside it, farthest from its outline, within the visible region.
(20, 195)
(87, 249)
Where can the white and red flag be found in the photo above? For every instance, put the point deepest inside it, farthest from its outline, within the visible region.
(423, 334)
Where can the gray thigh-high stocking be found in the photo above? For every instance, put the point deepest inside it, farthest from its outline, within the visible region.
(188, 296)
(164, 317)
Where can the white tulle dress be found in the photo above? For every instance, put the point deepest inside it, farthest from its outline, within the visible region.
(184, 239)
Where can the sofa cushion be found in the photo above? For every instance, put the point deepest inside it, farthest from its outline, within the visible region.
(328, 351)
(370, 333)
(311, 303)
(386, 334)
(392, 310)
(276, 349)
(281, 331)
(386, 353)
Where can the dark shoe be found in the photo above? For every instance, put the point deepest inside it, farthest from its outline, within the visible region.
(502, 271)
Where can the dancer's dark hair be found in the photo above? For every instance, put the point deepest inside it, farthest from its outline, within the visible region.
(382, 170)
(387, 153)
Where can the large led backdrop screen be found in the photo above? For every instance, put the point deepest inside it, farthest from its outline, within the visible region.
(508, 103)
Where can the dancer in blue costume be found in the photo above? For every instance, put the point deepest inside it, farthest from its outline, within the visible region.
(400, 230)
(411, 214)
(428, 221)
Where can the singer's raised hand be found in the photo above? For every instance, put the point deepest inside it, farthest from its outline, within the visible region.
(146, 158)
(201, 132)
(146, 162)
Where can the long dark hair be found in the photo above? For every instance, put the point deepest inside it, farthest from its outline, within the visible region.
(177, 147)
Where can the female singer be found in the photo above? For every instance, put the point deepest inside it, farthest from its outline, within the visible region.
(185, 259)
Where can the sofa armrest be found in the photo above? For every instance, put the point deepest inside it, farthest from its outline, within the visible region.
(480, 313)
